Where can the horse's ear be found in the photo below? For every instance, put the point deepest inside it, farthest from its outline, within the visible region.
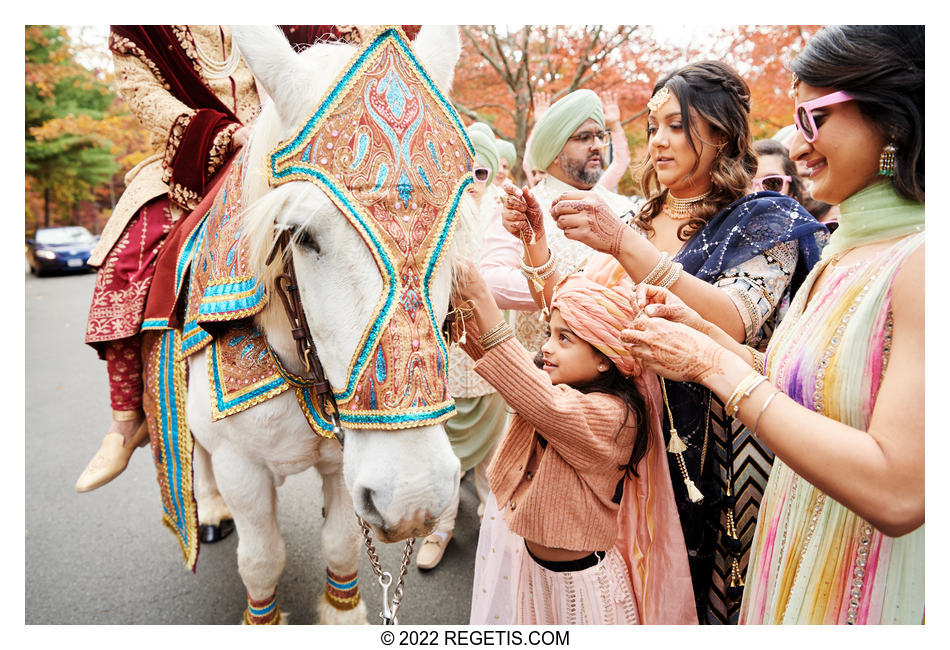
(439, 48)
(273, 61)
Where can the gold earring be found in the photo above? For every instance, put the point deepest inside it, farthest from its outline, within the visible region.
(888, 161)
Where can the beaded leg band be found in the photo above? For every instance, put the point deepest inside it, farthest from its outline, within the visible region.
(342, 592)
(262, 612)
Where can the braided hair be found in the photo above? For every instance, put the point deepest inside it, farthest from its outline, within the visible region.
(714, 92)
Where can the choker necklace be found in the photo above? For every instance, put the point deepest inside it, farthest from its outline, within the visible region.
(680, 208)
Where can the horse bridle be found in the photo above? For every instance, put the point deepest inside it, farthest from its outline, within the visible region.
(288, 290)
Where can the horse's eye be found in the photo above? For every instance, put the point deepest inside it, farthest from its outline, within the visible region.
(303, 238)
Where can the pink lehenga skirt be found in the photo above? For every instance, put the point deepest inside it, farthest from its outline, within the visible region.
(511, 588)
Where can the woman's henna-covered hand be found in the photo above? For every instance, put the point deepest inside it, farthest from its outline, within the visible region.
(673, 350)
(521, 212)
(659, 302)
(583, 216)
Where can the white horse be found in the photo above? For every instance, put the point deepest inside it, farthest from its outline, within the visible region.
(399, 482)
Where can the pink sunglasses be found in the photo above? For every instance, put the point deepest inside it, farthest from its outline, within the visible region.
(772, 183)
(804, 119)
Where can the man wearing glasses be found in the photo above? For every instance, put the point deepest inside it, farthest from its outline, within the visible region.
(568, 142)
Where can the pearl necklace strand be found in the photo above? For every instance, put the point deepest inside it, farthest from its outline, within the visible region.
(219, 69)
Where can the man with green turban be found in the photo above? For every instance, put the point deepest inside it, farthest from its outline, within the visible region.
(507, 157)
(568, 142)
(486, 153)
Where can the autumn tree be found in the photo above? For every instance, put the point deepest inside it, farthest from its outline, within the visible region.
(67, 152)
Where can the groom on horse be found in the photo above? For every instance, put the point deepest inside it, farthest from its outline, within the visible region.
(192, 91)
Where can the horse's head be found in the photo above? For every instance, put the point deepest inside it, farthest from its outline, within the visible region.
(365, 166)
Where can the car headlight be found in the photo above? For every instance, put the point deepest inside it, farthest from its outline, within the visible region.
(46, 255)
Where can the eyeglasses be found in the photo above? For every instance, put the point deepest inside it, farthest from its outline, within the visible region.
(481, 173)
(586, 138)
(805, 121)
(772, 183)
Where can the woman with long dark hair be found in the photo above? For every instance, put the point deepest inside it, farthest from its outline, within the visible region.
(734, 257)
(840, 535)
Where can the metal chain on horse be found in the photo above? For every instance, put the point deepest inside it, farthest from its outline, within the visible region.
(287, 289)
(390, 608)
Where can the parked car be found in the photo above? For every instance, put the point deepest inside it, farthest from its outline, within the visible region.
(65, 248)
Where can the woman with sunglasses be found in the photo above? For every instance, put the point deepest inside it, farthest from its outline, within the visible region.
(840, 536)
(732, 256)
(777, 172)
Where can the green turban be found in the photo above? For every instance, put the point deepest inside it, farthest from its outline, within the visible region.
(507, 151)
(486, 155)
(559, 123)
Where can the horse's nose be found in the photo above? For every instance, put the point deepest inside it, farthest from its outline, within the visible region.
(366, 507)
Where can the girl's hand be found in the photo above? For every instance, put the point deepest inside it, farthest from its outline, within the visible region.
(658, 302)
(469, 283)
(583, 216)
(521, 213)
(673, 350)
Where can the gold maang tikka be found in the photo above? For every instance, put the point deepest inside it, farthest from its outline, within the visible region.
(661, 97)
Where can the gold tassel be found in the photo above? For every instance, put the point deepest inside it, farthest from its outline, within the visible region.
(694, 494)
(462, 338)
(676, 446)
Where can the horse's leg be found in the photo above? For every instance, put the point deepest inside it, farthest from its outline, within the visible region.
(249, 490)
(340, 538)
(214, 518)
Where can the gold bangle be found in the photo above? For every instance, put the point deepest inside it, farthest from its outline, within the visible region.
(497, 336)
(739, 389)
(747, 385)
(494, 330)
(758, 360)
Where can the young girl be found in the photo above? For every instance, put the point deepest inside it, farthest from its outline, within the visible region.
(584, 446)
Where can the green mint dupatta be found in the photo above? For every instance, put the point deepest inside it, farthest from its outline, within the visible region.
(876, 213)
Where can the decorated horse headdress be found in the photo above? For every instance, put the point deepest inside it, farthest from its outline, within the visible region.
(390, 151)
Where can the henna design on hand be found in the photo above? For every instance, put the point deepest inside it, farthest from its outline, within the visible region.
(606, 230)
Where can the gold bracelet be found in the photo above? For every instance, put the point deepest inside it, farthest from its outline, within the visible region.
(658, 270)
(758, 360)
(497, 337)
(744, 389)
(739, 389)
(494, 330)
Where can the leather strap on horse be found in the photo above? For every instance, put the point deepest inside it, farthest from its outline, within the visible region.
(287, 289)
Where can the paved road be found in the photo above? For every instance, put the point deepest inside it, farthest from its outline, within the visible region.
(105, 558)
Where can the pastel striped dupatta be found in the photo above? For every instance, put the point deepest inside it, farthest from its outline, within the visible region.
(813, 560)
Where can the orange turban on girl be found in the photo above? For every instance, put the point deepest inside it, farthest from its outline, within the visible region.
(595, 304)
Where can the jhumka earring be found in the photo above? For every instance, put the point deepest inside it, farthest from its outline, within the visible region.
(888, 162)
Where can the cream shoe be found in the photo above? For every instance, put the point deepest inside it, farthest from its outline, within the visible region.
(114, 453)
(433, 548)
